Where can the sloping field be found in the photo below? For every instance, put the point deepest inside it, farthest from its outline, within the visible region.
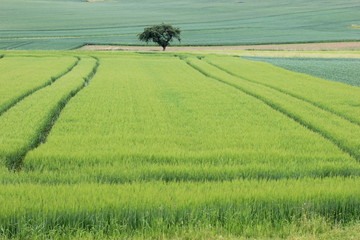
(151, 145)
(67, 24)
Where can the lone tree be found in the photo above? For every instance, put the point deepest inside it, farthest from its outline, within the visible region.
(161, 34)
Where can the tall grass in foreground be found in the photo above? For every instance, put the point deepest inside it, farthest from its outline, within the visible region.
(239, 207)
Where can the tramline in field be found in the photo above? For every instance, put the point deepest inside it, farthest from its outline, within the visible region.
(21, 76)
(32, 117)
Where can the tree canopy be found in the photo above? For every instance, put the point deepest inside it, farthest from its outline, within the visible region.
(161, 34)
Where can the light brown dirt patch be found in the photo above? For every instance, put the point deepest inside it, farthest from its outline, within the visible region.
(279, 47)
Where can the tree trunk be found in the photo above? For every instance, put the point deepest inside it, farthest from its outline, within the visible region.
(164, 47)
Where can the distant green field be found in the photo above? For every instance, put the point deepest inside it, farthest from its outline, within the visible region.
(337, 69)
(147, 145)
(68, 24)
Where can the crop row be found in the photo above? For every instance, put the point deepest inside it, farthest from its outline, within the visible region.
(113, 170)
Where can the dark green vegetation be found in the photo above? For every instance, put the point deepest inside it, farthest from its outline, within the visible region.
(68, 24)
(154, 145)
(162, 34)
(346, 70)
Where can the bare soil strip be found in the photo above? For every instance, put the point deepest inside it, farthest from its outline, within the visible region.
(296, 54)
(273, 47)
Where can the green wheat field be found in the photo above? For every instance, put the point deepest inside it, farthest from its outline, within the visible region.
(224, 144)
(157, 145)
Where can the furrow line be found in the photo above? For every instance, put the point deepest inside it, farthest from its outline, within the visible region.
(277, 108)
(287, 93)
(47, 128)
(32, 91)
(14, 161)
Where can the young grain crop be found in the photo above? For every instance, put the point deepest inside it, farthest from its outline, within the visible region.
(152, 117)
(146, 151)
